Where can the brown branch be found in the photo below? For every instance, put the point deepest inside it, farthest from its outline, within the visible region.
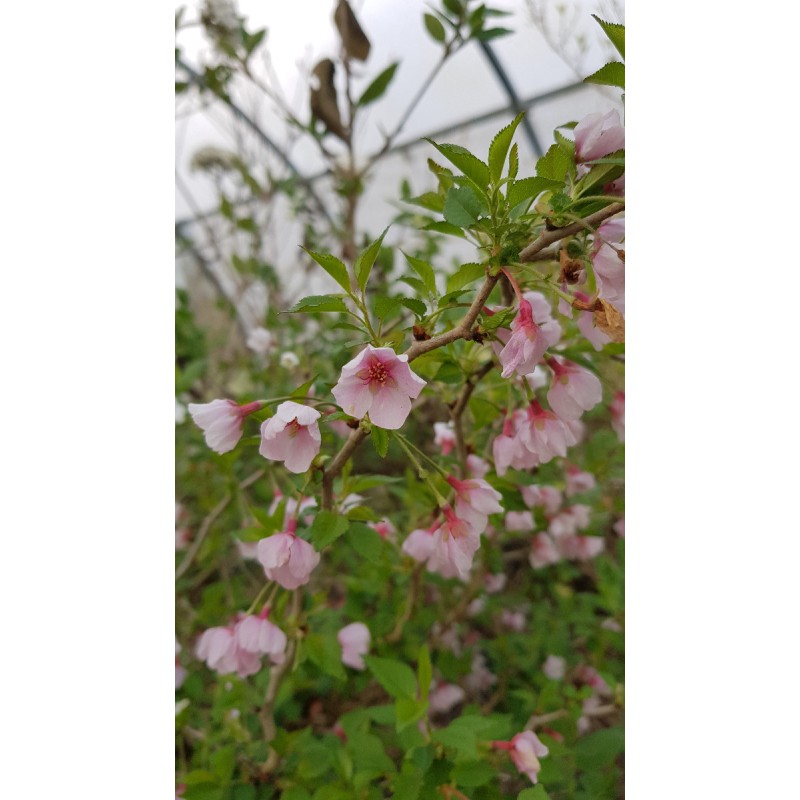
(275, 677)
(542, 719)
(550, 237)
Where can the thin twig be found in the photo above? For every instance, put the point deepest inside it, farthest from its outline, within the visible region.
(201, 535)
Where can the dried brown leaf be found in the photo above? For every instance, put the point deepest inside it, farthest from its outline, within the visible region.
(354, 39)
(610, 321)
(324, 102)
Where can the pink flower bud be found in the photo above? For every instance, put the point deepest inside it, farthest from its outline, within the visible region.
(221, 422)
(444, 436)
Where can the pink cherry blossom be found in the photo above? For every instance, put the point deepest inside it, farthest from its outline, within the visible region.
(525, 750)
(513, 620)
(354, 640)
(547, 496)
(475, 500)
(608, 262)
(219, 648)
(476, 466)
(455, 542)
(495, 583)
(591, 677)
(380, 382)
(543, 551)
(545, 435)
(617, 409)
(598, 135)
(619, 528)
(480, 677)
(580, 548)
(221, 422)
(578, 481)
(260, 636)
(525, 346)
(554, 667)
(419, 543)
(287, 559)
(384, 528)
(573, 390)
(444, 697)
(507, 447)
(292, 436)
(519, 521)
(444, 436)
(569, 521)
(586, 326)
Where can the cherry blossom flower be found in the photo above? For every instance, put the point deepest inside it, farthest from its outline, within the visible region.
(513, 620)
(475, 500)
(578, 481)
(287, 559)
(291, 436)
(380, 382)
(454, 544)
(545, 435)
(543, 551)
(547, 496)
(617, 409)
(554, 667)
(260, 636)
(591, 677)
(289, 360)
(609, 264)
(219, 648)
(476, 466)
(495, 583)
(354, 640)
(525, 346)
(444, 697)
(598, 135)
(384, 528)
(260, 341)
(221, 422)
(525, 750)
(419, 543)
(480, 677)
(580, 548)
(586, 326)
(590, 705)
(444, 436)
(573, 390)
(519, 521)
(507, 447)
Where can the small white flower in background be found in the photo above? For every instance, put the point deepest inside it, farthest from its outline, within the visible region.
(260, 341)
(221, 13)
(289, 360)
(444, 697)
(554, 667)
(180, 412)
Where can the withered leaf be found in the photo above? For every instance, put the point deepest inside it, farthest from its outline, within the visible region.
(610, 321)
(324, 103)
(354, 39)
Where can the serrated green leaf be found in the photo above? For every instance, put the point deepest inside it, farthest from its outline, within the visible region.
(384, 306)
(612, 74)
(416, 306)
(567, 145)
(502, 319)
(615, 32)
(326, 528)
(425, 271)
(395, 676)
(438, 169)
(462, 207)
(513, 163)
(424, 671)
(302, 389)
(333, 266)
(498, 149)
(319, 304)
(430, 200)
(378, 86)
(444, 227)
(366, 259)
(415, 283)
(464, 275)
(528, 188)
(468, 163)
(553, 164)
(380, 440)
(434, 27)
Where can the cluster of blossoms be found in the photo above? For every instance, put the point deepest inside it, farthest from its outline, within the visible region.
(448, 546)
(240, 646)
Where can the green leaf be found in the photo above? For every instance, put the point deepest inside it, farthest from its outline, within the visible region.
(615, 32)
(223, 762)
(380, 441)
(378, 86)
(408, 711)
(435, 27)
(430, 200)
(317, 304)
(444, 227)
(528, 188)
(385, 305)
(612, 74)
(513, 163)
(462, 206)
(464, 275)
(367, 542)
(455, 7)
(536, 793)
(302, 389)
(424, 671)
(492, 33)
(567, 145)
(417, 306)
(424, 270)
(408, 782)
(333, 266)
(473, 773)
(498, 149)
(599, 748)
(395, 676)
(502, 319)
(460, 739)
(369, 755)
(366, 259)
(415, 283)
(326, 528)
(468, 163)
(325, 651)
(553, 164)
